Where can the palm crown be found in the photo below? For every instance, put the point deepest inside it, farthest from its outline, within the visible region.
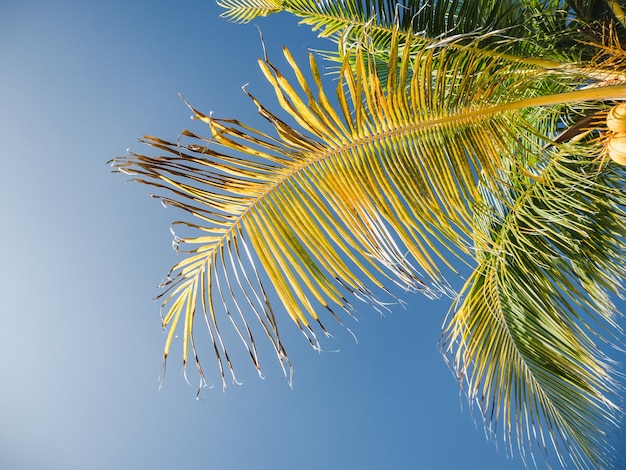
(468, 131)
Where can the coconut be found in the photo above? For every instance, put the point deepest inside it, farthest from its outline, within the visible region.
(616, 119)
(617, 148)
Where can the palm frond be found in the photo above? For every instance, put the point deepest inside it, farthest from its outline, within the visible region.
(525, 335)
(381, 174)
(244, 11)
(543, 32)
(431, 19)
(383, 184)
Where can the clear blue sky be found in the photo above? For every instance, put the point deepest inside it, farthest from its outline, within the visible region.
(82, 254)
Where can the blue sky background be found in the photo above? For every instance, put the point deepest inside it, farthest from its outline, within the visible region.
(82, 253)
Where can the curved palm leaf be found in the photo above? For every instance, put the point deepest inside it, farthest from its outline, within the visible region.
(550, 27)
(430, 19)
(379, 183)
(544, 34)
(523, 335)
(433, 19)
(243, 11)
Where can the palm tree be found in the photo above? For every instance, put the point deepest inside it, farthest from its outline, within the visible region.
(458, 131)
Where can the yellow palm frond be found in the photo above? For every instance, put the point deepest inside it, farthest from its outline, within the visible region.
(380, 178)
(388, 184)
(243, 11)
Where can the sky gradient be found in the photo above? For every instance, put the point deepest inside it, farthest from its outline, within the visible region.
(83, 253)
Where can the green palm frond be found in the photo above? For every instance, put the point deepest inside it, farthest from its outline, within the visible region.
(538, 34)
(523, 336)
(431, 19)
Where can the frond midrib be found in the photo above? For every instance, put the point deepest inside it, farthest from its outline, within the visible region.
(594, 93)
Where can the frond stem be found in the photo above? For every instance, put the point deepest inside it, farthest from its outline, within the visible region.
(590, 94)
